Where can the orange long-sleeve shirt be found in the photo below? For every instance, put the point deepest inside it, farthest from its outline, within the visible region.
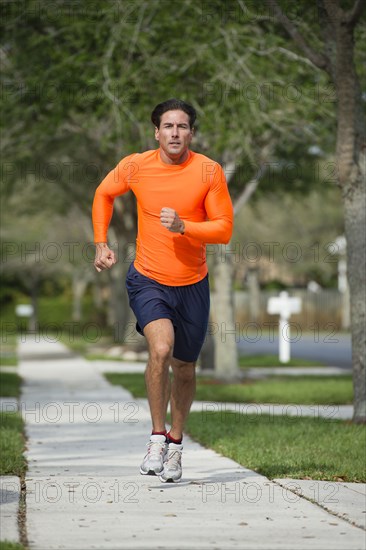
(195, 189)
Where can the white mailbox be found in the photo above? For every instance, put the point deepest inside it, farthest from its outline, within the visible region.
(24, 310)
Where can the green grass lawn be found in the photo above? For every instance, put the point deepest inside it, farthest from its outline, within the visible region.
(278, 446)
(280, 389)
(5, 545)
(247, 361)
(8, 350)
(8, 360)
(10, 383)
(12, 440)
(85, 343)
(12, 443)
(51, 309)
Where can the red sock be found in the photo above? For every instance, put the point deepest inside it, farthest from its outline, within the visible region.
(171, 439)
(158, 433)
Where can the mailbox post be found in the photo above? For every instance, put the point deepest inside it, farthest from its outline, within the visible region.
(284, 306)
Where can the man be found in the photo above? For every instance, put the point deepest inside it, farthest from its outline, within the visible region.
(182, 203)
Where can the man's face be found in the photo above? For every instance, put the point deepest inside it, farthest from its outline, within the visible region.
(174, 134)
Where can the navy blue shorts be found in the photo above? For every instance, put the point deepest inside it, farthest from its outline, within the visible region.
(186, 306)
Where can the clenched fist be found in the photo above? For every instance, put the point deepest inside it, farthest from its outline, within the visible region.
(170, 219)
(104, 257)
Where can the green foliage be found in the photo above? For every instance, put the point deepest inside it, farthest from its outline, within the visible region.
(277, 446)
(80, 80)
(286, 226)
(274, 285)
(91, 75)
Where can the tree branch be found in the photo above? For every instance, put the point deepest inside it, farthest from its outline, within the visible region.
(249, 189)
(334, 11)
(318, 59)
(353, 15)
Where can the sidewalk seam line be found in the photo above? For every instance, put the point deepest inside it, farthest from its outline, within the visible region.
(335, 514)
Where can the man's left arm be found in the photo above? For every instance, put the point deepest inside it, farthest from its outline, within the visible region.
(219, 227)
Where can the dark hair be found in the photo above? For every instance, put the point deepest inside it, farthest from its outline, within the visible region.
(173, 105)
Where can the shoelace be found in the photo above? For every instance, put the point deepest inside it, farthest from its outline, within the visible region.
(173, 459)
(155, 448)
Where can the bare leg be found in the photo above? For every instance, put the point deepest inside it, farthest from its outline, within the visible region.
(160, 338)
(182, 394)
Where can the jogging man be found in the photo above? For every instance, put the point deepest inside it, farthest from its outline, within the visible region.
(182, 204)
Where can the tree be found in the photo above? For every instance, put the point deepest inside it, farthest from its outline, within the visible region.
(80, 83)
(248, 92)
(338, 61)
(76, 99)
(313, 222)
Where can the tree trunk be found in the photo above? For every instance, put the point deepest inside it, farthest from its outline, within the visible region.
(351, 152)
(207, 356)
(226, 331)
(118, 310)
(119, 300)
(34, 291)
(254, 293)
(355, 222)
(346, 312)
(98, 295)
(79, 284)
(351, 172)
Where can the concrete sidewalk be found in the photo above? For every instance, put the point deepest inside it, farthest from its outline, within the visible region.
(86, 440)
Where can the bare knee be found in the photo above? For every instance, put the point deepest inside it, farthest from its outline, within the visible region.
(160, 338)
(184, 372)
(161, 353)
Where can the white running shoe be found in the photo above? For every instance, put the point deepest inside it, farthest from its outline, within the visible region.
(173, 464)
(153, 463)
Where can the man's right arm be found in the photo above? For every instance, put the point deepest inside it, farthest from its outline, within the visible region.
(116, 183)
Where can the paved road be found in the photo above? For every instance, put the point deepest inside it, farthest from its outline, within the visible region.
(330, 349)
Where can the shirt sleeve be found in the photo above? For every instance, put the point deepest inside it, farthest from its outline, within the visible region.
(219, 227)
(116, 183)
